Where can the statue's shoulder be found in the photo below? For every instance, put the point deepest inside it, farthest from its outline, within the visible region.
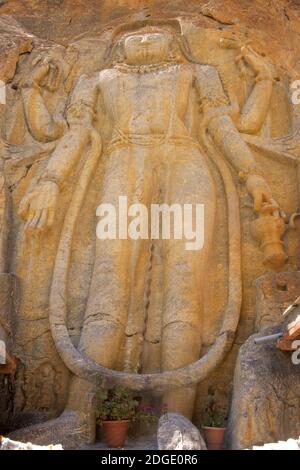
(106, 74)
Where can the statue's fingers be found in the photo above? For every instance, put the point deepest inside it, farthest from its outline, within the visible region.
(45, 69)
(258, 200)
(46, 61)
(36, 60)
(238, 58)
(43, 220)
(282, 214)
(250, 60)
(253, 59)
(270, 205)
(24, 207)
(34, 221)
(50, 217)
(274, 203)
(30, 217)
(41, 72)
(277, 210)
(274, 206)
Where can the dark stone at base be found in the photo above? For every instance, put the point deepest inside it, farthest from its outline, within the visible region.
(175, 432)
(266, 395)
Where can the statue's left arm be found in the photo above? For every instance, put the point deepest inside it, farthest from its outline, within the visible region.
(255, 110)
(224, 133)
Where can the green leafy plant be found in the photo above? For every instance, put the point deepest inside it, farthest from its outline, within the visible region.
(214, 416)
(119, 404)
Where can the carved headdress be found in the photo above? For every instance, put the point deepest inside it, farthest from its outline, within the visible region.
(179, 50)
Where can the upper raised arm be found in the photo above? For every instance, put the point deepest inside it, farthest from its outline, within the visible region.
(217, 119)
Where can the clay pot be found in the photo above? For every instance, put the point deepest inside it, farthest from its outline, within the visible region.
(214, 437)
(115, 432)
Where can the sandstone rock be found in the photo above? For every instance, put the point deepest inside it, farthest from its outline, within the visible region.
(175, 432)
(14, 40)
(274, 293)
(69, 429)
(266, 395)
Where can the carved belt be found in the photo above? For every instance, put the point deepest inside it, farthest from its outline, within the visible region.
(123, 139)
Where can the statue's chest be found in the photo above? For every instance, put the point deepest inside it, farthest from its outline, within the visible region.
(134, 89)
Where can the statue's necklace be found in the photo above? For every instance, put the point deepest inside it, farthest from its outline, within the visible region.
(127, 68)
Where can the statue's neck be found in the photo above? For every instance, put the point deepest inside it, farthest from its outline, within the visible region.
(144, 68)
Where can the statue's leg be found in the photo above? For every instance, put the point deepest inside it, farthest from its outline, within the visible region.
(119, 269)
(187, 181)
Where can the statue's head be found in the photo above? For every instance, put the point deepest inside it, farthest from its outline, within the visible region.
(147, 47)
(149, 44)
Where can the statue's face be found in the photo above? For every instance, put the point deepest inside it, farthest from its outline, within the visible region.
(147, 48)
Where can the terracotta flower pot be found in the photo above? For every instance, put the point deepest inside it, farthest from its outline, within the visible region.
(115, 432)
(214, 437)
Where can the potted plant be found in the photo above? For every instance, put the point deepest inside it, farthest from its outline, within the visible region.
(214, 426)
(118, 408)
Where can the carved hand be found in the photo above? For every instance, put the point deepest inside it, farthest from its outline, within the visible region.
(256, 62)
(38, 207)
(45, 73)
(262, 196)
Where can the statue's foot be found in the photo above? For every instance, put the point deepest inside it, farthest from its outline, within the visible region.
(71, 429)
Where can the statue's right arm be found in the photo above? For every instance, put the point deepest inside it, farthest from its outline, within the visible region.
(42, 125)
(80, 115)
(225, 135)
(38, 206)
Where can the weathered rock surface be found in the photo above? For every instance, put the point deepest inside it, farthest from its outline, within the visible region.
(266, 389)
(175, 432)
(69, 430)
(276, 23)
(14, 41)
(266, 395)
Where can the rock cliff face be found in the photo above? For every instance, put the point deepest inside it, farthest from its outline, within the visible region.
(245, 56)
(275, 23)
